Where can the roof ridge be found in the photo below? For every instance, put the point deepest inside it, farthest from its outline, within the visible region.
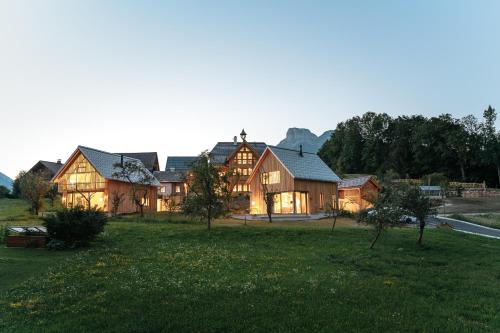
(294, 150)
(105, 152)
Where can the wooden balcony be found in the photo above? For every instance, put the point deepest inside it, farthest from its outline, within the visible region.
(83, 187)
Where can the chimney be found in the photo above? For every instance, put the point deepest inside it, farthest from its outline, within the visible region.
(300, 151)
(121, 161)
(235, 140)
(59, 161)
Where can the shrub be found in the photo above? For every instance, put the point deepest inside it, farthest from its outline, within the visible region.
(74, 226)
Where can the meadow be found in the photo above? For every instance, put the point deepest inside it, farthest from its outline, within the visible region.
(162, 276)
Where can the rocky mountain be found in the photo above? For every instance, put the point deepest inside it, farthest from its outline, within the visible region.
(302, 136)
(5, 181)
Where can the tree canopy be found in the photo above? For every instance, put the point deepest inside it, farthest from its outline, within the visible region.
(465, 149)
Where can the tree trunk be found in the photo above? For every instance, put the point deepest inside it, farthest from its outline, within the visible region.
(498, 173)
(334, 221)
(141, 209)
(462, 171)
(421, 233)
(209, 218)
(376, 237)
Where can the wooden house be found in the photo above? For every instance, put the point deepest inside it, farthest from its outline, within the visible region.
(173, 187)
(46, 168)
(358, 193)
(240, 158)
(89, 174)
(300, 182)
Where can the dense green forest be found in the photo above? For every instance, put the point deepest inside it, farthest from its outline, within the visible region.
(466, 149)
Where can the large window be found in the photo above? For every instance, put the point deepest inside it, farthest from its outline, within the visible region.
(290, 203)
(244, 156)
(81, 176)
(272, 177)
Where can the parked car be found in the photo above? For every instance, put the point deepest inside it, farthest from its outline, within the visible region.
(404, 218)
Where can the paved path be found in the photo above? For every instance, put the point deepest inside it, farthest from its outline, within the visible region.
(466, 227)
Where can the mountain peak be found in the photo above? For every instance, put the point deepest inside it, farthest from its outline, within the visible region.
(5, 181)
(302, 136)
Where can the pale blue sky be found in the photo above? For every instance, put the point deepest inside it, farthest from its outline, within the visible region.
(176, 77)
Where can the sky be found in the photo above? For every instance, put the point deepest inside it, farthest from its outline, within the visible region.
(177, 76)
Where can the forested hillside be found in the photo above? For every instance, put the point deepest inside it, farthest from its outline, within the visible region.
(465, 149)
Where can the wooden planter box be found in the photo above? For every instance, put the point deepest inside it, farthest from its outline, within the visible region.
(25, 241)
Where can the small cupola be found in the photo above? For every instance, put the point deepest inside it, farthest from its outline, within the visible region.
(243, 135)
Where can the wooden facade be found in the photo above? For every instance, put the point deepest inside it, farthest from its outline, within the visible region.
(291, 195)
(171, 195)
(360, 197)
(78, 181)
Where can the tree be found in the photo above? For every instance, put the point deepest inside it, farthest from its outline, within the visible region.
(387, 212)
(418, 205)
(267, 196)
(16, 190)
(491, 140)
(209, 191)
(4, 192)
(52, 194)
(117, 198)
(33, 188)
(140, 180)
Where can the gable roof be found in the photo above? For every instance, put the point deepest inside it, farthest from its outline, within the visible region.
(309, 166)
(52, 167)
(169, 176)
(104, 163)
(149, 159)
(222, 150)
(180, 163)
(356, 182)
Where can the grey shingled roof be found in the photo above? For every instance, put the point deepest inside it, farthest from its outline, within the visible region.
(53, 167)
(104, 162)
(180, 163)
(308, 166)
(354, 182)
(222, 150)
(149, 159)
(169, 176)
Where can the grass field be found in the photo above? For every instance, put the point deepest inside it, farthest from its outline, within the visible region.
(488, 220)
(175, 277)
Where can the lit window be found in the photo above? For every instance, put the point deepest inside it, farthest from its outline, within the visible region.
(272, 177)
(177, 189)
(163, 189)
(240, 188)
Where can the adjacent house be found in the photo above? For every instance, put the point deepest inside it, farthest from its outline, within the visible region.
(180, 163)
(172, 191)
(299, 182)
(88, 175)
(358, 193)
(48, 169)
(432, 191)
(149, 159)
(240, 158)
(173, 187)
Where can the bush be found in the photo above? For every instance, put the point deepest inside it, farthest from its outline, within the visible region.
(74, 226)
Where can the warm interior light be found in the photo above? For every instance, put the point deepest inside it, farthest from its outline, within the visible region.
(253, 203)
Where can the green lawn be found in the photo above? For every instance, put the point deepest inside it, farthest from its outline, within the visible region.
(488, 220)
(175, 277)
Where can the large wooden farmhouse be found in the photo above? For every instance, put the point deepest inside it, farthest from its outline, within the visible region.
(88, 174)
(300, 182)
(239, 157)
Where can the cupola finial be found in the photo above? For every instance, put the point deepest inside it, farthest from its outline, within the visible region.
(243, 135)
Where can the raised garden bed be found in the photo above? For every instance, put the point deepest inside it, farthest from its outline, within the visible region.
(26, 236)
